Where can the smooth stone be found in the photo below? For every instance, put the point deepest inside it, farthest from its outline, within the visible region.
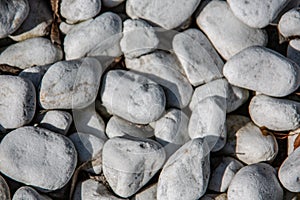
(96, 37)
(13, 13)
(35, 74)
(148, 193)
(257, 14)
(252, 146)
(289, 24)
(37, 22)
(57, 121)
(228, 34)
(208, 121)
(38, 157)
(93, 190)
(263, 70)
(275, 114)
(28, 193)
(165, 69)
(198, 58)
(234, 96)
(256, 181)
(291, 140)
(131, 96)
(129, 163)
(186, 173)
(222, 196)
(34, 51)
(17, 101)
(117, 126)
(293, 51)
(139, 38)
(289, 172)
(223, 174)
(79, 10)
(4, 189)
(168, 14)
(65, 28)
(71, 84)
(112, 3)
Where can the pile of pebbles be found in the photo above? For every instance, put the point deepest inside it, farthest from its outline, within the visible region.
(145, 100)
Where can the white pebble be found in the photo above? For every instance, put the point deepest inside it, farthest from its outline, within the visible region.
(148, 193)
(293, 51)
(28, 193)
(57, 121)
(289, 24)
(35, 74)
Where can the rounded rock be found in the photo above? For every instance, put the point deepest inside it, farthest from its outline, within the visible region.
(35, 74)
(57, 121)
(4, 189)
(25, 192)
(293, 51)
(289, 24)
(112, 3)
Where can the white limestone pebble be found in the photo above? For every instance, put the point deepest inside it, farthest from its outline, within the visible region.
(168, 14)
(257, 14)
(223, 174)
(4, 189)
(263, 70)
(275, 114)
(112, 3)
(13, 13)
(289, 172)
(228, 34)
(17, 101)
(138, 38)
(199, 59)
(79, 10)
(256, 181)
(129, 163)
(38, 157)
(165, 69)
(70, 84)
(148, 193)
(117, 126)
(186, 173)
(95, 37)
(293, 51)
(34, 51)
(35, 74)
(131, 96)
(28, 193)
(57, 121)
(65, 27)
(252, 146)
(289, 24)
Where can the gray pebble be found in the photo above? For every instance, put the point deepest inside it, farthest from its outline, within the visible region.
(148, 193)
(38, 157)
(57, 121)
(289, 24)
(112, 3)
(35, 74)
(222, 196)
(263, 70)
(4, 189)
(28, 193)
(291, 140)
(293, 51)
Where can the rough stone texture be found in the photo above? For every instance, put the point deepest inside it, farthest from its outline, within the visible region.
(165, 69)
(129, 163)
(228, 34)
(17, 101)
(257, 181)
(199, 59)
(79, 10)
(289, 24)
(293, 51)
(167, 14)
(35, 74)
(96, 37)
(186, 173)
(250, 136)
(289, 172)
(13, 13)
(263, 70)
(256, 13)
(70, 84)
(57, 121)
(4, 189)
(34, 51)
(38, 157)
(138, 38)
(28, 193)
(131, 96)
(148, 193)
(112, 3)
(275, 114)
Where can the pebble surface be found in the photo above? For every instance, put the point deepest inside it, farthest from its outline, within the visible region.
(289, 24)
(4, 189)
(28, 193)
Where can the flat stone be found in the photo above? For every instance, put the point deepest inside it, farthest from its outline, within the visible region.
(139, 38)
(129, 163)
(289, 172)
(199, 59)
(228, 34)
(257, 14)
(167, 14)
(293, 51)
(38, 157)
(266, 147)
(112, 3)
(131, 96)
(79, 10)
(275, 114)
(263, 70)
(35, 74)
(13, 13)
(165, 69)
(57, 121)
(70, 84)
(256, 181)
(25, 192)
(17, 101)
(96, 37)
(186, 173)
(148, 193)
(289, 24)
(4, 189)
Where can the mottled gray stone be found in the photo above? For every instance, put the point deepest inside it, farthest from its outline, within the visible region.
(35, 74)
(28, 193)
(289, 24)
(57, 121)
(148, 193)
(4, 189)
(293, 51)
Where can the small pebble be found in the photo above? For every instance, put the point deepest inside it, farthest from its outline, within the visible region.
(293, 51)
(148, 193)
(4, 189)
(35, 74)
(291, 140)
(214, 197)
(289, 24)
(57, 121)
(112, 3)
(28, 193)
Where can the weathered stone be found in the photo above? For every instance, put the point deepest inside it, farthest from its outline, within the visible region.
(57, 121)
(4, 189)
(28, 193)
